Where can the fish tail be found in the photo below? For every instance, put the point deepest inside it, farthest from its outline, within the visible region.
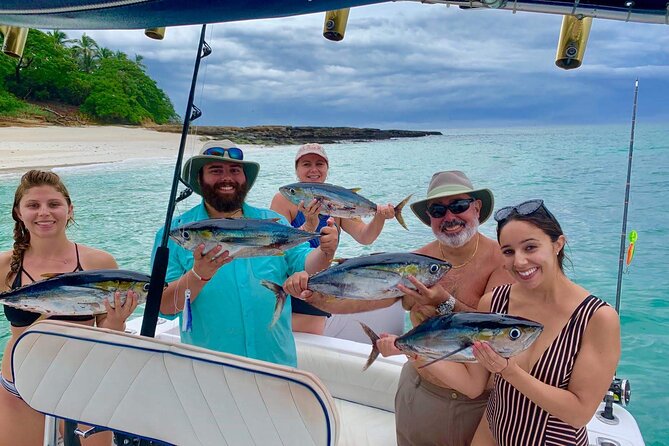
(280, 299)
(398, 212)
(375, 351)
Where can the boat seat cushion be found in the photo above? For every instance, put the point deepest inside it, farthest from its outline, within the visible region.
(168, 392)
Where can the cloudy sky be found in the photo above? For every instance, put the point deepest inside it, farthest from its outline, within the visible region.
(409, 65)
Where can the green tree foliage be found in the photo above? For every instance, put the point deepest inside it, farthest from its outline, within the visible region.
(122, 92)
(106, 84)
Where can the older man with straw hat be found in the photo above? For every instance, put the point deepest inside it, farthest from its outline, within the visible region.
(427, 410)
(222, 301)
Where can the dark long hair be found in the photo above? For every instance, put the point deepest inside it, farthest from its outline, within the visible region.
(32, 178)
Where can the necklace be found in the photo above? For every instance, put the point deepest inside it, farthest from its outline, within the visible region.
(476, 249)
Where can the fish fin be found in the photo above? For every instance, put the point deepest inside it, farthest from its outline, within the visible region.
(446, 356)
(355, 190)
(338, 260)
(50, 275)
(280, 299)
(375, 351)
(398, 211)
(275, 219)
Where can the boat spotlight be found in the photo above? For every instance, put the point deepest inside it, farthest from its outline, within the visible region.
(573, 40)
(494, 4)
(155, 33)
(335, 24)
(15, 40)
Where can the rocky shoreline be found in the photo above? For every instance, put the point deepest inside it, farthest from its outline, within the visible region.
(285, 135)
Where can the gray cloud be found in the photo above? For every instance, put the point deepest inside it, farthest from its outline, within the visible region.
(412, 64)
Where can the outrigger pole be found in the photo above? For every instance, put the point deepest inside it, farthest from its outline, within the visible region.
(161, 258)
(621, 259)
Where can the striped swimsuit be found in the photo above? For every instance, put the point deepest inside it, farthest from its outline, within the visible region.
(513, 418)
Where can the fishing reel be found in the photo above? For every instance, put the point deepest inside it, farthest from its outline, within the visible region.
(622, 391)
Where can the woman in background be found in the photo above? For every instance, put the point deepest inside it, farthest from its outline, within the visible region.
(311, 166)
(42, 211)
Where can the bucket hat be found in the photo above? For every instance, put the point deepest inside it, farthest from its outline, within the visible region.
(192, 167)
(453, 182)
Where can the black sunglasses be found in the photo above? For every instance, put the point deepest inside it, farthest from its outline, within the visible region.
(525, 208)
(233, 152)
(438, 210)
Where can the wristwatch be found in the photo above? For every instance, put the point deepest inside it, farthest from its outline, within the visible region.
(446, 306)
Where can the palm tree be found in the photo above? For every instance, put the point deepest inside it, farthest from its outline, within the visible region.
(138, 60)
(87, 52)
(106, 53)
(59, 37)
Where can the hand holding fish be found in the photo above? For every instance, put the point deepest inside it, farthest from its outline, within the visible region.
(423, 295)
(118, 313)
(296, 285)
(386, 345)
(310, 214)
(329, 238)
(205, 265)
(385, 212)
(489, 359)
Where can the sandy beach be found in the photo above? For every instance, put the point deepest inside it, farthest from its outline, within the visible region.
(22, 148)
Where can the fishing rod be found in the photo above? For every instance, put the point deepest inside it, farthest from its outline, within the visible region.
(161, 258)
(627, 198)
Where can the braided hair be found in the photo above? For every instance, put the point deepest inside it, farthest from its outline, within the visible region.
(32, 178)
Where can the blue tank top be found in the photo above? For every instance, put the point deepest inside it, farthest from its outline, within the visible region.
(299, 221)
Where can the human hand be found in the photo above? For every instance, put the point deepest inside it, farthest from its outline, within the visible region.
(386, 211)
(433, 295)
(206, 265)
(386, 345)
(489, 358)
(329, 238)
(296, 284)
(119, 312)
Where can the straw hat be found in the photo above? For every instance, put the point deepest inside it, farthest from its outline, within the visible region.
(453, 182)
(195, 163)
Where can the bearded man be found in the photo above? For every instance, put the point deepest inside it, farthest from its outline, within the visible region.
(230, 311)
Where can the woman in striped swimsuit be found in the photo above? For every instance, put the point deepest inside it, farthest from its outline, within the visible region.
(547, 394)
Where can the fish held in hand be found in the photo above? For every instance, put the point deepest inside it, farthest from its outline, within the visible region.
(370, 277)
(77, 293)
(241, 237)
(337, 201)
(452, 336)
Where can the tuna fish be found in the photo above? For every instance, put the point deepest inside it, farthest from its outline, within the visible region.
(452, 336)
(370, 277)
(337, 201)
(78, 293)
(241, 237)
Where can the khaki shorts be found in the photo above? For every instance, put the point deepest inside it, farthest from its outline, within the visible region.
(426, 414)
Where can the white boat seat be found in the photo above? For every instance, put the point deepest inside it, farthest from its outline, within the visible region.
(365, 400)
(168, 392)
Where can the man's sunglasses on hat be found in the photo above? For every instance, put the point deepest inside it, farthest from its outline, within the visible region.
(438, 210)
(233, 152)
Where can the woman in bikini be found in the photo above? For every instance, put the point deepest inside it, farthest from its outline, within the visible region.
(42, 211)
(548, 393)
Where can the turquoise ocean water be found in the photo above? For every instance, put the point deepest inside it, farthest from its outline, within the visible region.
(578, 171)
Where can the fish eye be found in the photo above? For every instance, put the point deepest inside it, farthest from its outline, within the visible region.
(434, 268)
(514, 334)
(185, 235)
(145, 287)
(292, 191)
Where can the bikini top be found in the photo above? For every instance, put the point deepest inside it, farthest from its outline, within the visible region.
(23, 318)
